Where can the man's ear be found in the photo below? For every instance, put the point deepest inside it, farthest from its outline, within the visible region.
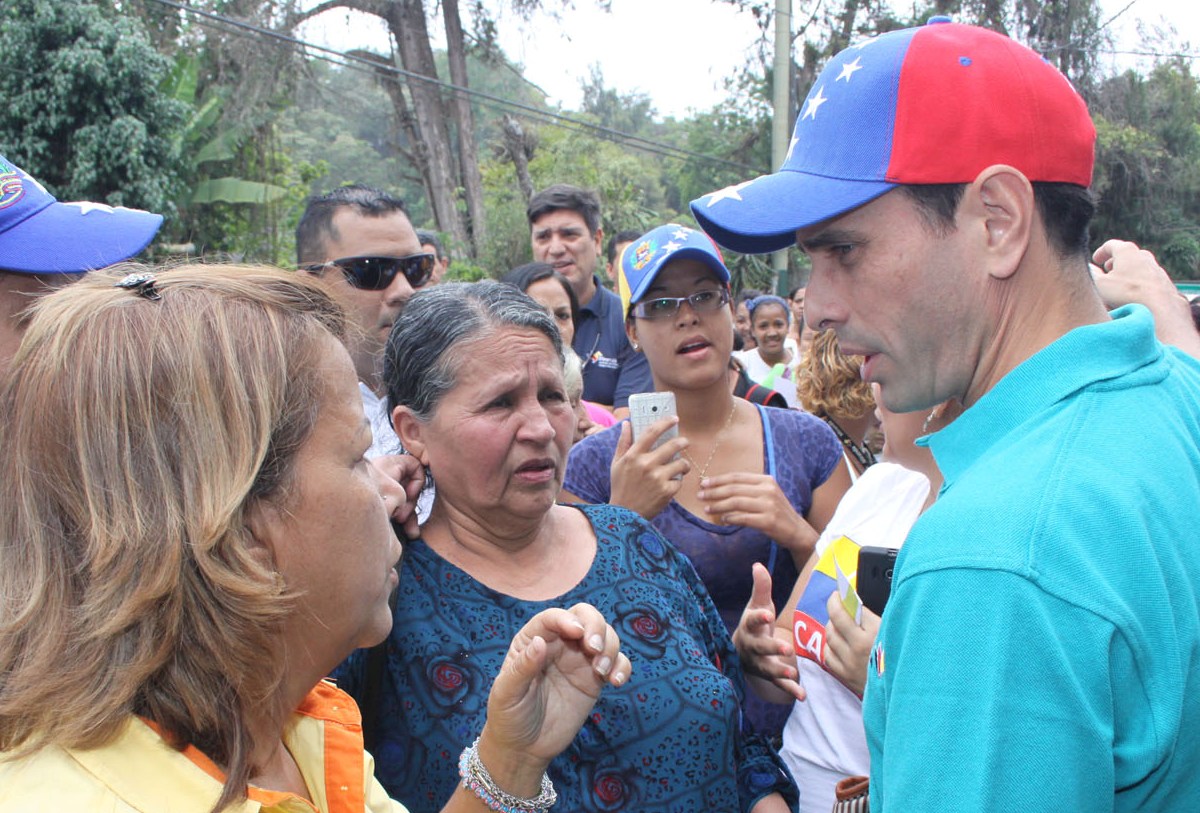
(411, 433)
(1001, 202)
(599, 242)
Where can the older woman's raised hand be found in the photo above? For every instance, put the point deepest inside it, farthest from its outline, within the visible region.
(645, 479)
(553, 673)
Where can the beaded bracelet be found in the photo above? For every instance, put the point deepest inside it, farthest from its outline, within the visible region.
(475, 778)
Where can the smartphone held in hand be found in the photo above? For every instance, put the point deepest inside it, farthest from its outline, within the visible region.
(647, 408)
(874, 582)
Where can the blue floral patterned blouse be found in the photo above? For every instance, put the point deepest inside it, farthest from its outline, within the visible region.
(668, 740)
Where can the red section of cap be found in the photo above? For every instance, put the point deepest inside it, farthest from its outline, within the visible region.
(970, 98)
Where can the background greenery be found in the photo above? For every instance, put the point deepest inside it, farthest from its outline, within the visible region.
(210, 114)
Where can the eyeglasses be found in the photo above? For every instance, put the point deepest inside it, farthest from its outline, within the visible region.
(667, 306)
(377, 273)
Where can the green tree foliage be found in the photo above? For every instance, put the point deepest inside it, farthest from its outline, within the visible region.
(244, 187)
(342, 124)
(627, 113)
(737, 130)
(624, 180)
(1148, 163)
(84, 110)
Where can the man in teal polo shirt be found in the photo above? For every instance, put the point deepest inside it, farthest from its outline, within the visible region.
(1041, 648)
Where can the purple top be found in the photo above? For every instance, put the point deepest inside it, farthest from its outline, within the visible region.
(799, 450)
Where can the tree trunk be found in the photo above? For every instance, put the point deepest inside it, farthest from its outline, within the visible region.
(406, 21)
(468, 154)
(405, 123)
(514, 140)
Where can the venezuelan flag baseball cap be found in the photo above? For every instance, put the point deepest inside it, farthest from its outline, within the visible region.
(645, 257)
(39, 235)
(936, 104)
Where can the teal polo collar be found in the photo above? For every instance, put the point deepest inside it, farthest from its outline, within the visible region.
(1081, 358)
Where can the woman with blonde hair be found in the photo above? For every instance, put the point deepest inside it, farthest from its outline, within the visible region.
(191, 537)
(829, 386)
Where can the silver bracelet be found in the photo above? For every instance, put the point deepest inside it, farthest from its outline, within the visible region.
(475, 778)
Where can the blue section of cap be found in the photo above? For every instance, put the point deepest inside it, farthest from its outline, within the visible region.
(645, 257)
(844, 128)
(39, 235)
(838, 160)
(938, 20)
(21, 197)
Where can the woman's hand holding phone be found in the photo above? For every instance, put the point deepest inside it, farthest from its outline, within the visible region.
(645, 478)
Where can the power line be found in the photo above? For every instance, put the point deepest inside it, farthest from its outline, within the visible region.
(353, 62)
(1123, 52)
(1113, 18)
(1077, 45)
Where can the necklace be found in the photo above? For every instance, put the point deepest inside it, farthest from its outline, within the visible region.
(716, 443)
(861, 454)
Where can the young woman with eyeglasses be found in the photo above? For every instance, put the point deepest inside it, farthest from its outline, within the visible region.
(740, 484)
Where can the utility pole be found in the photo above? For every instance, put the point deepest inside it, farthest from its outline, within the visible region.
(781, 130)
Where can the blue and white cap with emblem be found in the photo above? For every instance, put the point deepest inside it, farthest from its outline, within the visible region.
(40, 235)
(645, 257)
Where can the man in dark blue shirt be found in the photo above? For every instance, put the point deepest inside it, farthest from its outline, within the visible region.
(565, 232)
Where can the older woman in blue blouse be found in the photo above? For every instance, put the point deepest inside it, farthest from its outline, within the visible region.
(475, 385)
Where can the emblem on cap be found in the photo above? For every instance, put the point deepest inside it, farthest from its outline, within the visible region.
(11, 187)
(642, 254)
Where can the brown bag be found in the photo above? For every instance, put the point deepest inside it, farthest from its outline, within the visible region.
(852, 795)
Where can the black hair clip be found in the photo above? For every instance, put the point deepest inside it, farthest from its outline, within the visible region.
(141, 284)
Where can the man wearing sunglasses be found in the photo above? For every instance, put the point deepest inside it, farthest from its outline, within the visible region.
(361, 241)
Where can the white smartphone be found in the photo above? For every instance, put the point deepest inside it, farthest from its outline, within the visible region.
(647, 407)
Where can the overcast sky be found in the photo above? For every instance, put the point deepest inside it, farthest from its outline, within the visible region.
(676, 51)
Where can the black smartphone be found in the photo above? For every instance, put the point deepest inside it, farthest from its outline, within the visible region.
(875, 566)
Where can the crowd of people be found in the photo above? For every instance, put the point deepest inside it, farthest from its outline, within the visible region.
(356, 537)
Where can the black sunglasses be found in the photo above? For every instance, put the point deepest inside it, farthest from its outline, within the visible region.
(377, 273)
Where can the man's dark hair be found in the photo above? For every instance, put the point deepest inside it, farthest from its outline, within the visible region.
(427, 238)
(316, 224)
(564, 196)
(746, 294)
(623, 236)
(1066, 210)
